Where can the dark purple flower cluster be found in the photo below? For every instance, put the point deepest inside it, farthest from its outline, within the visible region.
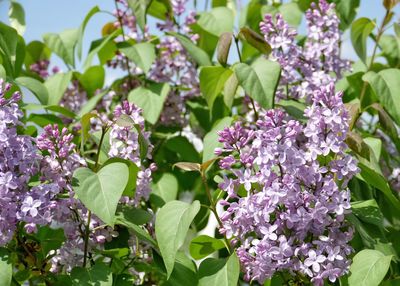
(286, 191)
(316, 63)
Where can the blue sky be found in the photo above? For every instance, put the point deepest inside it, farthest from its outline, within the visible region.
(44, 16)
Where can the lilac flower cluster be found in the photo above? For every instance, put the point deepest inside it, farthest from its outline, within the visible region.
(17, 162)
(318, 62)
(173, 65)
(286, 191)
(59, 162)
(74, 97)
(125, 143)
(41, 67)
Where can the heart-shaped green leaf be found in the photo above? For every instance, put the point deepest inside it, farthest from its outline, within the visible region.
(100, 192)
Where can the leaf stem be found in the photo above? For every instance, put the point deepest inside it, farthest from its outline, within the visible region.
(214, 210)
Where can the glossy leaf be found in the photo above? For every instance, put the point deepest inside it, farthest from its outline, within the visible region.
(219, 272)
(369, 267)
(204, 245)
(250, 81)
(172, 223)
(212, 81)
(255, 40)
(217, 21)
(57, 84)
(36, 87)
(142, 54)
(92, 79)
(6, 268)
(386, 84)
(100, 192)
(199, 55)
(211, 138)
(17, 17)
(224, 44)
(98, 275)
(150, 100)
(139, 8)
(360, 31)
(164, 190)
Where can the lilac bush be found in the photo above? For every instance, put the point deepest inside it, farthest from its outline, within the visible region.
(201, 143)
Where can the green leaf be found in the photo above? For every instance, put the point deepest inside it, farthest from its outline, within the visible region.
(142, 54)
(172, 223)
(204, 245)
(91, 104)
(161, 9)
(199, 55)
(164, 190)
(62, 44)
(8, 47)
(378, 181)
(269, 73)
(386, 85)
(360, 31)
(293, 108)
(151, 100)
(131, 223)
(35, 86)
(184, 150)
(133, 171)
(139, 8)
(211, 138)
(347, 11)
(17, 17)
(291, 12)
(185, 272)
(100, 192)
(85, 125)
(223, 46)
(368, 211)
(250, 81)
(369, 267)
(57, 85)
(50, 239)
(3, 73)
(81, 29)
(212, 81)
(98, 48)
(230, 89)
(255, 40)
(386, 122)
(36, 51)
(98, 275)
(188, 166)
(217, 21)
(92, 79)
(5, 268)
(133, 215)
(219, 272)
(390, 46)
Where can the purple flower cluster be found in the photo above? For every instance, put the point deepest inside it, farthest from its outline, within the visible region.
(41, 68)
(173, 65)
(74, 97)
(17, 162)
(60, 160)
(125, 143)
(318, 62)
(286, 191)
